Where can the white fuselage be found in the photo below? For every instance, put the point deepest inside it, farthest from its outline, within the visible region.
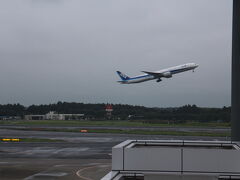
(168, 71)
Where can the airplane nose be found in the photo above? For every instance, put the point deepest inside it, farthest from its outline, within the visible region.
(196, 65)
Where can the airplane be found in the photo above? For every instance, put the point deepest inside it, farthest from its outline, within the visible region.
(150, 75)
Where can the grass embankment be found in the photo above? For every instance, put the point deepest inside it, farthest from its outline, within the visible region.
(110, 123)
(133, 131)
(85, 124)
(170, 133)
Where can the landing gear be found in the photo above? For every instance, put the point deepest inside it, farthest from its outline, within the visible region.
(159, 80)
(193, 70)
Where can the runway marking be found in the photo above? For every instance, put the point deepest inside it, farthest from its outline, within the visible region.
(46, 174)
(78, 173)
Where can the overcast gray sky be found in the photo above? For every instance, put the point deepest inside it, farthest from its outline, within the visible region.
(69, 50)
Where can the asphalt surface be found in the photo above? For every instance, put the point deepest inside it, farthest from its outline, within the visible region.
(77, 156)
(51, 169)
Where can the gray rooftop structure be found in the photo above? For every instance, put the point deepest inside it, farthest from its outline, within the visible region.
(174, 159)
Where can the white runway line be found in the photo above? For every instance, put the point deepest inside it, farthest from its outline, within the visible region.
(78, 173)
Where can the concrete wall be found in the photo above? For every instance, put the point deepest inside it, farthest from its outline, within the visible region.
(217, 158)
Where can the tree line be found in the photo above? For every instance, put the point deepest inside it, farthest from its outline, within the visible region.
(124, 112)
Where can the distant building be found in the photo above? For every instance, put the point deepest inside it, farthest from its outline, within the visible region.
(52, 115)
(10, 117)
(34, 117)
(55, 116)
(135, 117)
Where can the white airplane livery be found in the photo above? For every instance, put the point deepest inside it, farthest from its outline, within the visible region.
(150, 75)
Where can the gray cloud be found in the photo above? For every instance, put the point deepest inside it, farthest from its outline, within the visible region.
(69, 50)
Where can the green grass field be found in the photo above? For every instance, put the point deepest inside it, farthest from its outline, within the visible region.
(172, 133)
(132, 131)
(85, 124)
(110, 123)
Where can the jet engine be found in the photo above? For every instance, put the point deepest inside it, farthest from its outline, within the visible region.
(167, 74)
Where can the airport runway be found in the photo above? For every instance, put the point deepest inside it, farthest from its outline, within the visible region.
(71, 158)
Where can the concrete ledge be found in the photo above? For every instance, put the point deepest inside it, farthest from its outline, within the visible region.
(189, 158)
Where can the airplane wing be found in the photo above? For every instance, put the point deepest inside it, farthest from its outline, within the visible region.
(155, 74)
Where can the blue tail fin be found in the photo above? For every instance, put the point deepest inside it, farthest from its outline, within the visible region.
(124, 77)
